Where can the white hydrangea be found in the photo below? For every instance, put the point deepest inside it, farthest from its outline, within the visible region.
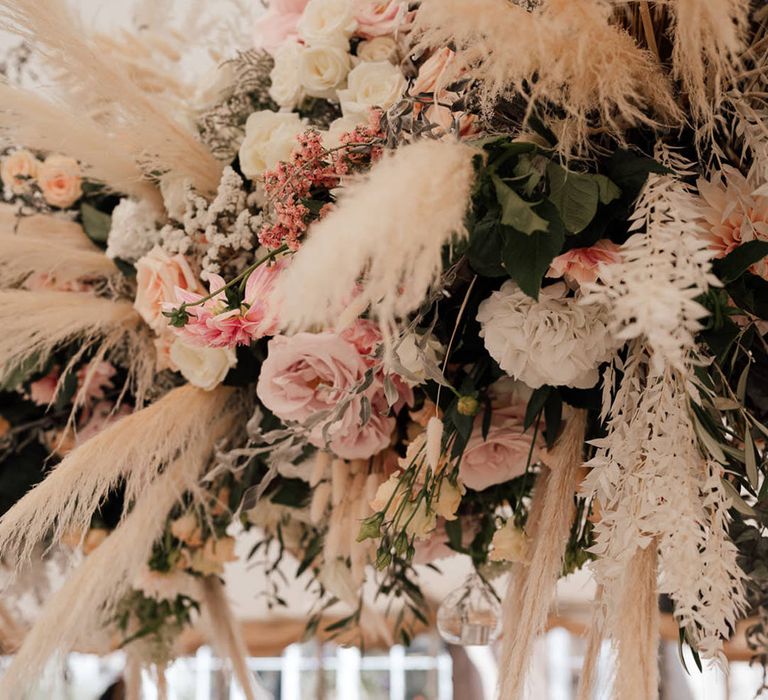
(134, 231)
(553, 341)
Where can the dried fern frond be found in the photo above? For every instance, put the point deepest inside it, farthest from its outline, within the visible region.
(565, 56)
(158, 142)
(135, 449)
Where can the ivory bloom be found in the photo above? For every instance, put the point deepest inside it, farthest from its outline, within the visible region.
(371, 84)
(269, 138)
(202, 366)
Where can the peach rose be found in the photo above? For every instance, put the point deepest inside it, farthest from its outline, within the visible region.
(580, 265)
(158, 275)
(377, 18)
(187, 530)
(17, 170)
(434, 72)
(59, 180)
(310, 373)
(94, 537)
(210, 559)
(503, 455)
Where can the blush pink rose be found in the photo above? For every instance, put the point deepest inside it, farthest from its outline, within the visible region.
(364, 335)
(581, 265)
(214, 324)
(311, 373)
(379, 18)
(158, 276)
(279, 24)
(503, 455)
(43, 391)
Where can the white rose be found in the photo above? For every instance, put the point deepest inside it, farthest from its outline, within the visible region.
(415, 354)
(323, 68)
(381, 48)
(338, 127)
(371, 84)
(327, 21)
(551, 341)
(201, 366)
(286, 86)
(269, 138)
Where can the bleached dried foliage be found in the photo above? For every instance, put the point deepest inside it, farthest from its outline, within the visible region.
(56, 127)
(564, 54)
(390, 229)
(708, 40)
(665, 266)
(526, 609)
(157, 141)
(35, 323)
(134, 449)
(86, 601)
(63, 260)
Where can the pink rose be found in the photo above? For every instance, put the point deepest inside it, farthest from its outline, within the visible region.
(364, 335)
(580, 265)
(278, 24)
(158, 275)
(214, 324)
(43, 391)
(503, 455)
(59, 180)
(377, 18)
(311, 373)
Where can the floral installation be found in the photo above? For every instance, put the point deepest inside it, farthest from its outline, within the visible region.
(414, 280)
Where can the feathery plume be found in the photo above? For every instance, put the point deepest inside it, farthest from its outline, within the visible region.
(86, 601)
(157, 141)
(389, 229)
(40, 123)
(564, 53)
(35, 323)
(64, 260)
(524, 624)
(135, 448)
(225, 632)
(709, 38)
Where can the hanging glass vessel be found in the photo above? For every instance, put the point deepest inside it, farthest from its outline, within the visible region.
(470, 615)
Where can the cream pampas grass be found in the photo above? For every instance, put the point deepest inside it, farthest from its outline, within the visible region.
(526, 609)
(709, 38)
(61, 261)
(226, 637)
(382, 244)
(86, 601)
(36, 323)
(134, 449)
(565, 53)
(131, 115)
(55, 127)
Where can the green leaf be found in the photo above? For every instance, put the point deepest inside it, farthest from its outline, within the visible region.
(66, 391)
(741, 386)
(527, 258)
(484, 252)
(629, 171)
(739, 260)
(21, 372)
(516, 212)
(96, 224)
(575, 195)
(749, 459)
(535, 405)
(453, 530)
(607, 188)
(738, 502)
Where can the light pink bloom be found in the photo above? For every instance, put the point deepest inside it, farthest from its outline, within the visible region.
(380, 17)
(279, 24)
(503, 455)
(158, 276)
(733, 214)
(101, 416)
(93, 379)
(43, 391)
(580, 265)
(215, 325)
(364, 335)
(311, 373)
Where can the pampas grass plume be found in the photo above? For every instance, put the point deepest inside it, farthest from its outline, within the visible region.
(383, 242)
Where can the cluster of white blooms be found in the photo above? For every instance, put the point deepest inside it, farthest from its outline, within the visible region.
(323, 66)
(554, 340)
(210, 229)
(134, 230)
